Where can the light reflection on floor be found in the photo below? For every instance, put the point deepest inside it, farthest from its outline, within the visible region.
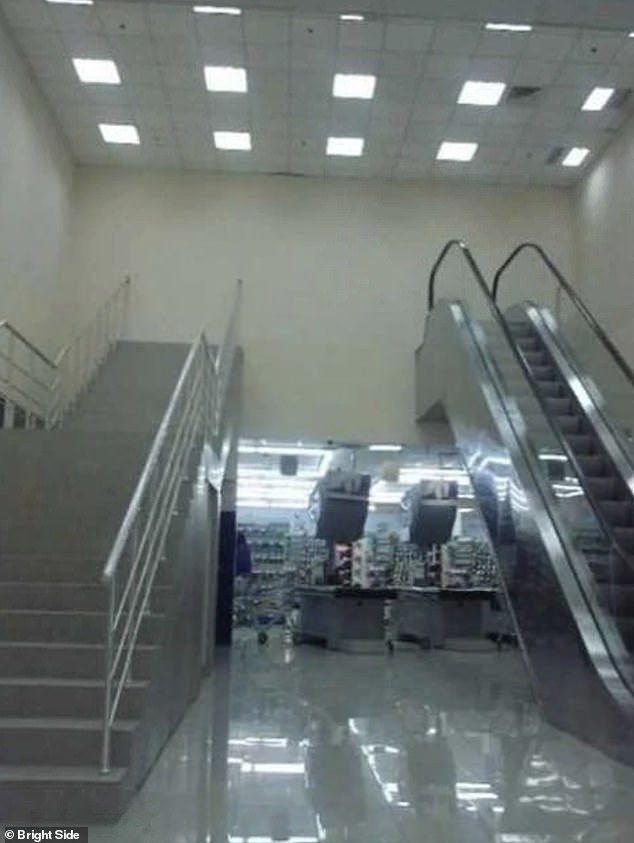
(423, 747)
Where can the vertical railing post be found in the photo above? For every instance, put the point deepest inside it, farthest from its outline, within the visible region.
(108, 679)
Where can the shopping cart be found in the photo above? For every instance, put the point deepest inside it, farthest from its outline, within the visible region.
(266, 602)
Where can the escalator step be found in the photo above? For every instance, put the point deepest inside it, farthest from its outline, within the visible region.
(618, 513)
(569, 424)
(618, 598)
(528, 344)
(521, 329)
(559, 406)
(544, 373)
(603, 488)
(625, 538)
(535, 359)
(618, 573)
(626, 628)
(551, 389)
(592, 466)
(581, 443)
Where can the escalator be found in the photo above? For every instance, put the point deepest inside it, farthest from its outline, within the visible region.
(552, 468)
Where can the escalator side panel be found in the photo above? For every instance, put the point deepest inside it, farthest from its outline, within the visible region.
(573, 673)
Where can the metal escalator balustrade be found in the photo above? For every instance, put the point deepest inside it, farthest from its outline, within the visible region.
(601, 461)
(503, 425)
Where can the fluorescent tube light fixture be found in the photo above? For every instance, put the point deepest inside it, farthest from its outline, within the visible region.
(576, 157)
(121, 133)
(481, 93)
(226, 79)
(97, 71)
(452, 151)
(72, 2)
(349, 147)
(509, 27)
(217, 10)
(598, 99)
(233, 140)
(352, 17)
(385, 448)
(353, 86)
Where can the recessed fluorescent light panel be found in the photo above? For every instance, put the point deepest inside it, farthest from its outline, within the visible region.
(598, 99)
(226, 79)
(576, 157)
(352, 17)
(97, 71)
(353, 86)
(72, 2)
(385, 448)
(481, 93)
(349, 147)
(509, 27)
(217, 10)
(122, 133)
(233, 140)
(452, 151)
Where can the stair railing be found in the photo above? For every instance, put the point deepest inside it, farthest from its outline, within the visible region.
(27, 376)
(45, 389)
(139, 547)
(77, 363)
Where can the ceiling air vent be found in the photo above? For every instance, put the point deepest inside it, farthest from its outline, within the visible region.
(520, 93)
(555, 155)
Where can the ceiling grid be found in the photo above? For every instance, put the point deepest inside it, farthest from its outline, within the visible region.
(291, 55)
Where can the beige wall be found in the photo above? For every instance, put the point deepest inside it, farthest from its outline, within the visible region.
(334, 271)
(35, 195)
(605, 240)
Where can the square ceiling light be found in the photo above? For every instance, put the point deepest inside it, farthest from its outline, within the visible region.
(97, 71)
(348, 147)
(598, 99)
(481, 93)
(217, 10)
(226, 79)
(576, 156)
(239, 141)
(453, 151)
(121, 133)
(509, 27)
(353, 86)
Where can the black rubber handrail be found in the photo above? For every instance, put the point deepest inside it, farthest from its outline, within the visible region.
(466, 252)
(501, 323)
(574, 297)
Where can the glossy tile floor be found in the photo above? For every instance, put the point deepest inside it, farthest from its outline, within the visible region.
(305, 745)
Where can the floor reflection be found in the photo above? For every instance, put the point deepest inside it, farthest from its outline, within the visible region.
(306, 745)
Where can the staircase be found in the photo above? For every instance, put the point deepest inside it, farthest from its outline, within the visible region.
(63, 496)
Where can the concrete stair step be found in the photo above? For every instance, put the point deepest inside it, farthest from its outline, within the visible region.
(66, 661)
(60, 568)
(77, 795)
(61, 741)
(52, 697)
(66, 596)
(69, 627)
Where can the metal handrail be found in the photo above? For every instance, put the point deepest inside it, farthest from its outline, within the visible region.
(7, 326)
(467, 254)
(49, 394)
(498, 318)
(130, 570)
(572, 295)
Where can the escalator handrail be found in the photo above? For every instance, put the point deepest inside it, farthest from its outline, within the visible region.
(525, 368)
(471, 261)
(574, 297)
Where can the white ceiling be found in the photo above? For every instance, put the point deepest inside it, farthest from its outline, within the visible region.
(291, 55)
